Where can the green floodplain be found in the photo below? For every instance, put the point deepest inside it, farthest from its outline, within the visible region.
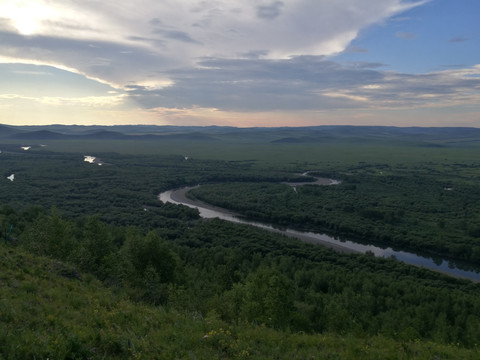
(94, 266)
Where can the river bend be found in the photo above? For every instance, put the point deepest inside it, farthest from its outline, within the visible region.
(208, 211)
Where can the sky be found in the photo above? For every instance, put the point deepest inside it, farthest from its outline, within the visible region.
(240, 62)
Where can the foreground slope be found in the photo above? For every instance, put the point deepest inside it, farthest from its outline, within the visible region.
(49, 310)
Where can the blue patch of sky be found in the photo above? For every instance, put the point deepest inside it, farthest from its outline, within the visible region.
(40, 80)
(439, 35)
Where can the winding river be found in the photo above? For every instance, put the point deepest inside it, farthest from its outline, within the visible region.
(208, 211)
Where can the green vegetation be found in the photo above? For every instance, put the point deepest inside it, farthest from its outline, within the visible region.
(50, 310)
(434, 212)
(245, 275)
(46, 314)
(94, 266)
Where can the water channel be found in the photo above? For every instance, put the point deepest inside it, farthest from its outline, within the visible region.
(209, 212)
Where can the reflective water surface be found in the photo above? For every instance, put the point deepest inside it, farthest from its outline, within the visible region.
(209, 212)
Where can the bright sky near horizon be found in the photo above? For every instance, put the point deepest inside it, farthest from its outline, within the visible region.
(240, 62)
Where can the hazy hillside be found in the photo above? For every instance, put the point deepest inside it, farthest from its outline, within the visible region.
(315, 134)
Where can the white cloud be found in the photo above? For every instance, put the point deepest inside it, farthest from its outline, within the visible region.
(132, 42)
(55, 63)
(307, 83)
(86, 101)
(346, 95)
(200, 60)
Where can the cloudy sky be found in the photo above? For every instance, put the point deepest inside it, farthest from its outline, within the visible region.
(240, 62)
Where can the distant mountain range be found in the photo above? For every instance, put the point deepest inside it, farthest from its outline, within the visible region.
(430, 136)
(92, 133)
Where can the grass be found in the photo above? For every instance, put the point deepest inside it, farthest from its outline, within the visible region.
(47, 314)
(330, 155)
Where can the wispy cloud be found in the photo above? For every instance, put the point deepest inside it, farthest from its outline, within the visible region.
(355, 49)
(306, 83)
(146, 38)
(270, 11)
(86, 101)
(458, 39)
(32, 72)
(406, 35)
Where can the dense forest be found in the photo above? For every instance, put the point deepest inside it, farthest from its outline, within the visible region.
(102, 229)
(434, 212)
(246, 275)
(51, 311)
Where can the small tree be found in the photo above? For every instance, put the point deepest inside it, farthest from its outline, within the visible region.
(96, 245)
(268, 298)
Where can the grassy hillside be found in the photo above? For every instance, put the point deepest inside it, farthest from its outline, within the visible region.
(49, 310)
